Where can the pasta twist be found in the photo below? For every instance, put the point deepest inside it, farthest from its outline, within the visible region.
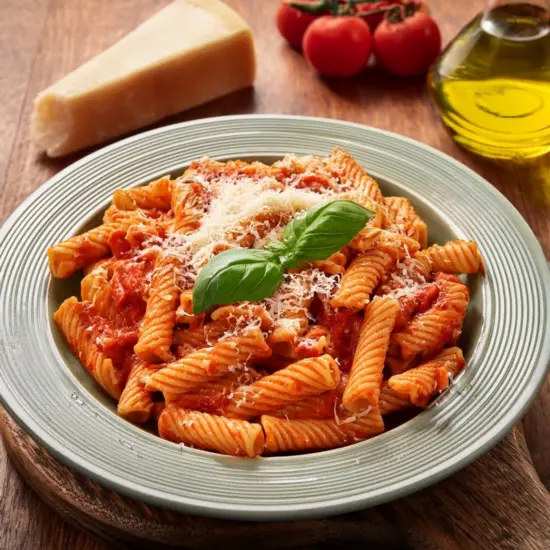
(188, 204)
(81, 340)
(454, 257)
(365, 239)
(200, 336)
(210, 432)
(405, 219)
(213, 396)
(353, 174)
(391, 401)
(208, 363)
(130, 217)
(95, 288)
(316, 406)
(421, 383)
(157, 194)
(155, 336)
(440, 325)
(307, 377)
(136, 403)
(75, 253)
(333, 265)
(361, 278)
(366, 373)
(283, 435)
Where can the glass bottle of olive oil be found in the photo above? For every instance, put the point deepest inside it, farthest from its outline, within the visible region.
(492, 83)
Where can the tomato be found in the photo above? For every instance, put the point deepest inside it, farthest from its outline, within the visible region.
(292, 24)
(337, 46)
(408, 46)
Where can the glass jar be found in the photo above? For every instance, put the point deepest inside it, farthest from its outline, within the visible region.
(492, 83)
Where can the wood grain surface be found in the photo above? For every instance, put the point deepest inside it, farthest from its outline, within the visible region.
(480, 507)
(41, 40)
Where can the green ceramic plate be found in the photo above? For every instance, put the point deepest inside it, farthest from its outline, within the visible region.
(506, 333)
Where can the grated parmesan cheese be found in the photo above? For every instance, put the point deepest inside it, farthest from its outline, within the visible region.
(353, 418)
(296, 292)
(242, 200)
(235, 200)
(405, 279)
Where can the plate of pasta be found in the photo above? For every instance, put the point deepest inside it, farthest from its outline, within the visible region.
(268, 317)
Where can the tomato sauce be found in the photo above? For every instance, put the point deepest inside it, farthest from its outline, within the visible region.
(211, 404)
(115, 343)
(116, 337)
(129, 282)
(344, 328)
(418, 302)
(87, 249)
(325, 408)
(119, 245)
(449, 333)
(310, 345)
(315, 182)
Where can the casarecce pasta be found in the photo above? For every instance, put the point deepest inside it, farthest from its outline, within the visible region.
(342, 342)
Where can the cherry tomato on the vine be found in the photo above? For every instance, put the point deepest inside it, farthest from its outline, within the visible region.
(407, 46)
(292, 23)
(337, 46)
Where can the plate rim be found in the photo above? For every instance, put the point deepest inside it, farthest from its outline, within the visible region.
(326, 507)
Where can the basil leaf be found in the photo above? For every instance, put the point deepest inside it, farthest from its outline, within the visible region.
(237, 275)
(324, 230)
(284, 254)
(252, 275)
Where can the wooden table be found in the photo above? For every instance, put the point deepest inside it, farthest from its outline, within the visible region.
(41, 40)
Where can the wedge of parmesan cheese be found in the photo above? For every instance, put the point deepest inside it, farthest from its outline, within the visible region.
(189, 53)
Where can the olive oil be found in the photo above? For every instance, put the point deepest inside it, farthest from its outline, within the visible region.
(492, 83)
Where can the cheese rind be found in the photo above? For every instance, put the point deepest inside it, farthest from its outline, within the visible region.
(189, 53)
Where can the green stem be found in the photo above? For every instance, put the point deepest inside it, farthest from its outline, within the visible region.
(346, 9)
(395, 14)
(374, 12)
(359, 2)
(409, 9)
(312, 8)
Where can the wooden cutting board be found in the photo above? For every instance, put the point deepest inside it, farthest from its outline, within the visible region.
(496, 503)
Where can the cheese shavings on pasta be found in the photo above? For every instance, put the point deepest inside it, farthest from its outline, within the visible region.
(297, 291)
(239, 202)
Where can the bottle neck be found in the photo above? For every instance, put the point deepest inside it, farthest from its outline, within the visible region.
(517, 20)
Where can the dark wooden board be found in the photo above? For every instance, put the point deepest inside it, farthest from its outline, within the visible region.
(480, 507)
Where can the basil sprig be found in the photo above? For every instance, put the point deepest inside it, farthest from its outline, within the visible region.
(246, 274)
